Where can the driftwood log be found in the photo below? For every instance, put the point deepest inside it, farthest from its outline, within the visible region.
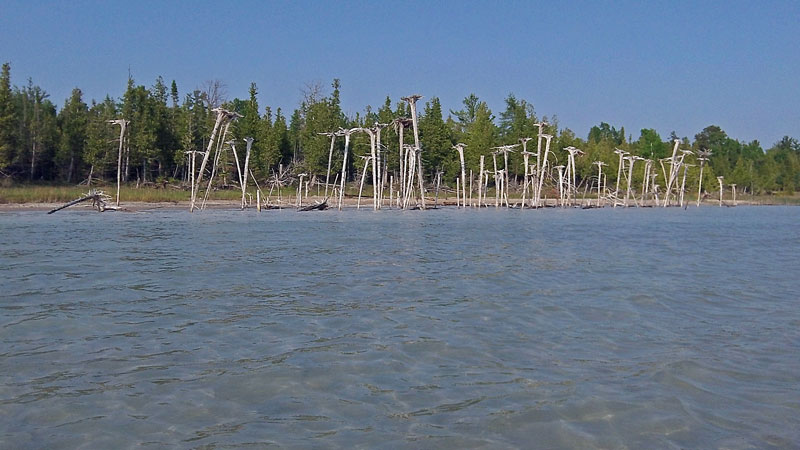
(315, 207)
(98, 198)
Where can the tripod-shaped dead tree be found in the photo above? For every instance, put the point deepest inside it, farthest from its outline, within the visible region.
(481, 190)
(631, 160)
(621, 154)
(411, 158)
(702, 157)
(525, 164)
(332, 135)
(375, 175)
(460, 148)
(648, 165)
(242, 173)
(299, 196)
(571, 183)
(674, 167)
(600, 165)
(123, 124)
(224, 119)
(683, 181)
(399, 125)
(538, 173)
(347, 134)
(505, 150)
(367, 159)
(412, 101)
(654, 187)
(378, 164)
(496, 182)
(560, 185)
(543, 167)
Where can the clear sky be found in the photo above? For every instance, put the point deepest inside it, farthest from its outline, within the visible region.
(668, 65)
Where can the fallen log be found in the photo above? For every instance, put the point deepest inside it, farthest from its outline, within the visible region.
(315, 206)
(98, 199)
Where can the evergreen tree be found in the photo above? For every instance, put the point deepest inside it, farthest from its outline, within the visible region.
(516, 122)
(651, 146)
(436, 140)
(36, 132)
(102, 139)
(320, 115)
(466, 117)
(605, 132)
(480, 136)
(73, 120)
(7, 135)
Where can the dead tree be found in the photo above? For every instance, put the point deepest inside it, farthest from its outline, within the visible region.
(600, 165)
(123, 124)
(543, 168)
(460, 148)
(99, 201)
(703, 156)
(412, 101)
(224, 117)
(622, 154)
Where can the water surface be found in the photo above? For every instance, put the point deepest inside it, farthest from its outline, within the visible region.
(637, 328)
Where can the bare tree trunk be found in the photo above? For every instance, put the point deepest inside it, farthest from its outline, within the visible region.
(363, 176)
(214, 132)
(344, 167)
(402, 185)
(700, 184)
(543, 168)
(330, 158)
(249, 142)
(71, 167)
(470, 189)
(619, 175)
(480, 184)
(496, 184)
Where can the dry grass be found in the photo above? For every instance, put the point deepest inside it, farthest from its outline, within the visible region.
(63, 194)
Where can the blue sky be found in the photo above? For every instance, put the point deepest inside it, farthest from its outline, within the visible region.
(669, 65)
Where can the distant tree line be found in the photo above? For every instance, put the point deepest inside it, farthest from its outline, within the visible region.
(40, 143)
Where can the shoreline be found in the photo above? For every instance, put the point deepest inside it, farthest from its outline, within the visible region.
(349, 203)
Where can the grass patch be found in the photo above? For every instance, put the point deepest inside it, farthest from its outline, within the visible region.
(63, 194)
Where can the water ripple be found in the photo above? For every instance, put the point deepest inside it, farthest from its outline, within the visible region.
(581, 329)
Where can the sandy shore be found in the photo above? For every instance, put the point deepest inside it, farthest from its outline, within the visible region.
(349, 202)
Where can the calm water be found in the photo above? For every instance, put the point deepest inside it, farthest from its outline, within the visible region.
(639, 328)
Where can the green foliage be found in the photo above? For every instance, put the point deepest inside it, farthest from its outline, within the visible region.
(480, 136)
(437, 141)
(7, 112)
(73, 121)
(40, 142)
(102, 139)
(650, 145)
(605, 132)
(466, 117)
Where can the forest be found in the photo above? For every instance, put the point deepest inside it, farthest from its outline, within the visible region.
(42, 144)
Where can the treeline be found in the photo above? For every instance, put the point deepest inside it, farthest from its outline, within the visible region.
(39, 143)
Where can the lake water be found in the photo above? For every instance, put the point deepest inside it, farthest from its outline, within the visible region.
(612, 328)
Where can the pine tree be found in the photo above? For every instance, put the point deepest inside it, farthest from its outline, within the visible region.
(437, 141)
(73, 120)
(480, 136)
(7, 135)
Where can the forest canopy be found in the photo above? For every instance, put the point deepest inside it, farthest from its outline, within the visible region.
(40, 143)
